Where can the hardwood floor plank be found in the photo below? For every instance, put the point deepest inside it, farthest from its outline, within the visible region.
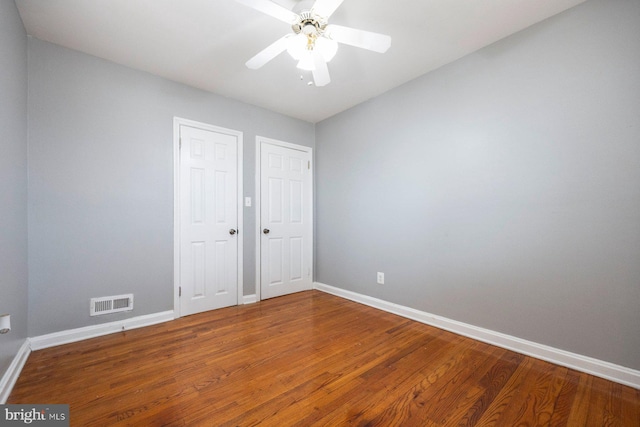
(613, 409)
(598, 400)
(564, 401)
(379, 353)
(630, 411)
(393, 377)
(412, 363)
(580, 408)
(312, 359)
(536, 398)
(436, 390)
(493, 383)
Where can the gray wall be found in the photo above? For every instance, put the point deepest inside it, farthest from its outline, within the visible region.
(13, 180)
(101, 182)
(502, 190)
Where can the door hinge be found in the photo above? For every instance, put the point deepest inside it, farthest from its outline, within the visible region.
(180, 143)
(179, 291)
(309, 164)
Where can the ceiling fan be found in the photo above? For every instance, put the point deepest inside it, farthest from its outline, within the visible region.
(313, 42)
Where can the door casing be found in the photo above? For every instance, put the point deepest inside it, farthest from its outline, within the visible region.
(177, 122)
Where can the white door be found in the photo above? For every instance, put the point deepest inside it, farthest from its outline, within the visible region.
(286, 228)
(208, 214)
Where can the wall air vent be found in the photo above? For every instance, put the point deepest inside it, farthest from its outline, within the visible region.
(107, 305)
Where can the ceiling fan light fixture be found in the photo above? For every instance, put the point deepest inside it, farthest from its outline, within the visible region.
(297, 46)
(300, 48)
(326, 47)
(314, 42)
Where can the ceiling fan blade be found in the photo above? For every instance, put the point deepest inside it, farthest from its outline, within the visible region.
(268, 53)
(320, 71)
(325, 8)
(359, 38)
(271, 9)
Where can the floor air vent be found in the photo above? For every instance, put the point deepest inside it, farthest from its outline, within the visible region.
(115, 304)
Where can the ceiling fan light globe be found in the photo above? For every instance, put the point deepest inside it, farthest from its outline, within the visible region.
(297, 46)
(326, 47)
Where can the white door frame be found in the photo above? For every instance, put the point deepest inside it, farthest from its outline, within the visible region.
(258, 196)
(177, 122)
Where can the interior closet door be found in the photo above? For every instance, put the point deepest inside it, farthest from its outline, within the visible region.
(208, 258)
(286, 219)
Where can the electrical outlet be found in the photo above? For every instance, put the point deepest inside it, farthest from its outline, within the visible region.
(380, 278)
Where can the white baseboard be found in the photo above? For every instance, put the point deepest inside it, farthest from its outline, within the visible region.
(589, 365)
(79, 334)
(13, 372)
(249, 299)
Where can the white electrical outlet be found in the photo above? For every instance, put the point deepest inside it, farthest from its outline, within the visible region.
(380, 278)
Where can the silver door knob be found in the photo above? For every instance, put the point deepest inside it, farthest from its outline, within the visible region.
(266, 231)
(232, 231)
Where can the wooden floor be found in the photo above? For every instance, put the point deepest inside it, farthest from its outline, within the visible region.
(312, 359)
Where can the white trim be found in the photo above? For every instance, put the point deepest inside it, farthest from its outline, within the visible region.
(250, 299)
(264, 139)
(176, 216)
(79, 334)
(589, 365)
(256, 204)
(241, 230)
(177, 122)
(13, 372)
(257, 201)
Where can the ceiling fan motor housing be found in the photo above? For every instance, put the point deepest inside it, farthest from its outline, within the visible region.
(309, 24)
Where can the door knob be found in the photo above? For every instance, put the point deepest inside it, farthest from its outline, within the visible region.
(266, 231)
(232, 231)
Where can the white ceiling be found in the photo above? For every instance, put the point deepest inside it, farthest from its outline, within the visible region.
(205, 43)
